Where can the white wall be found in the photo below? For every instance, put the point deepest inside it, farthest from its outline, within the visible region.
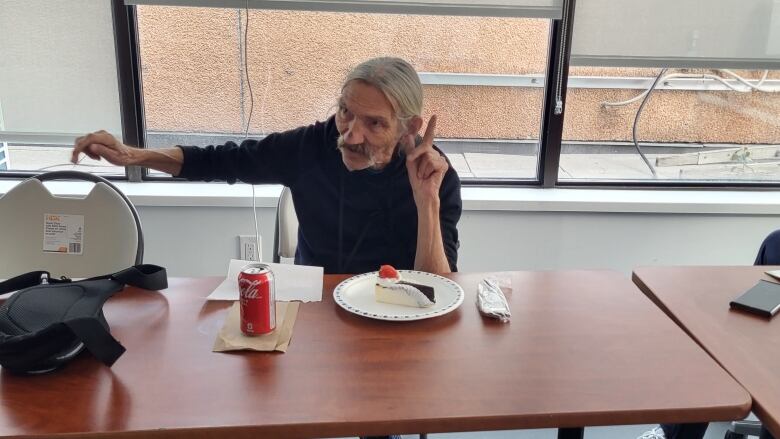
(198, 241)
(617, 241)
(192, 228)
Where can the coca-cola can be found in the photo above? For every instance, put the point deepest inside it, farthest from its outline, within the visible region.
(257, 296)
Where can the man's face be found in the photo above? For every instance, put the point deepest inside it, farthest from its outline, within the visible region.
(369, 130)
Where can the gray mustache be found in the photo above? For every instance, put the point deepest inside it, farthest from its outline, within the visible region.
(358, 148)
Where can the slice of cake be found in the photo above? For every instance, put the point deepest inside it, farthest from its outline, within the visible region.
(390, 288)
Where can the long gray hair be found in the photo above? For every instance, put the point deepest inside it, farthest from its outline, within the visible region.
(396, 79)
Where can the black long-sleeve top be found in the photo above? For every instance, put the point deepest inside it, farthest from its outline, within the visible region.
(349, 221)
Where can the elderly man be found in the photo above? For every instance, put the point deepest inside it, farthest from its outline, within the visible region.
(367, 189)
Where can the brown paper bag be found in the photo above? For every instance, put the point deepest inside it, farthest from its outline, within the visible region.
(230, 337)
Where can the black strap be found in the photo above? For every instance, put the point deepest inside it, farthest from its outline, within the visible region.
(96, 339)
(22, 281)
(146, 276)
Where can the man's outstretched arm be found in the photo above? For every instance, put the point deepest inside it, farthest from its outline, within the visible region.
(102, 145)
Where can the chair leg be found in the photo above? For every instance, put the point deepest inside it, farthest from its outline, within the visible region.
(746, 428)
(571, 433)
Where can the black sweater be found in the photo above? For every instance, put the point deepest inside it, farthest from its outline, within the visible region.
(349, 222)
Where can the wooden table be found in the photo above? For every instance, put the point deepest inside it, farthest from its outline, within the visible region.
(583, 348)
(748, 347)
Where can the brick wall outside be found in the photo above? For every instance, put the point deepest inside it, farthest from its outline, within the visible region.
(193, 77)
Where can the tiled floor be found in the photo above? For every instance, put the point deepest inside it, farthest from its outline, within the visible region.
(716, 430)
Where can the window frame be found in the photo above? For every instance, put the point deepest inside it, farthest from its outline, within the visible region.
(127, 102)
(551, 127)
(130, 86)
(131, 101)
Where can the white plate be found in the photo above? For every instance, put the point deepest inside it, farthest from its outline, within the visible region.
(356, 295)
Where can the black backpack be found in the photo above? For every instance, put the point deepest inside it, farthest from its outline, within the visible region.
(50, 321)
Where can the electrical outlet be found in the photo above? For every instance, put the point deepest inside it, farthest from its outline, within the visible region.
(248, 249)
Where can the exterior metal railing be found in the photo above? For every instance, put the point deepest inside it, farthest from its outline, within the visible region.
(469, 79)
(591, 82)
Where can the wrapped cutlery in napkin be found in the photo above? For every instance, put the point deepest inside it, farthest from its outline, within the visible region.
(491, 300)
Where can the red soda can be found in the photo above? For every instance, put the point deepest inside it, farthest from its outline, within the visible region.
(257, 295)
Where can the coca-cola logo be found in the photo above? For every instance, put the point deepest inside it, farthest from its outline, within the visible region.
(249, 288)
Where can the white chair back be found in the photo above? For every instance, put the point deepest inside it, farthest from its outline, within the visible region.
(111, 238)
(286, 235)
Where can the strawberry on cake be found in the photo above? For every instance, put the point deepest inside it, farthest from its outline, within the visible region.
(390, 288)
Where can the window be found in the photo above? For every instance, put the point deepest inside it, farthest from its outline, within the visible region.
(702, 125)
(713, 115)
(483, 76)
(57, 82)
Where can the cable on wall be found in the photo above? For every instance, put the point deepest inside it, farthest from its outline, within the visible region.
(645, 95)
(249, 120)
(636, 123)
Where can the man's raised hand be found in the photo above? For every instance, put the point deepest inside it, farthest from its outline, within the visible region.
(426, 167)
(102, 145)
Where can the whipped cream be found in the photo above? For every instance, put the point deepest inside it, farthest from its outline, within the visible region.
(411, 292)
(388, 282)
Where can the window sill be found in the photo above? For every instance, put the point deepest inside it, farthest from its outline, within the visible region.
(172, 194)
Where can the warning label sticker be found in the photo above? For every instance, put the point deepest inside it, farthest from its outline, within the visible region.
(63, 233)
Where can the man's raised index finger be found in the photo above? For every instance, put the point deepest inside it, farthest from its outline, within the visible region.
(427, 141)
(429, 131)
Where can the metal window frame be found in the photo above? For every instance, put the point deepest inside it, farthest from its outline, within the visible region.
(550, 147)
(551, 133)
(131, 99)
(589, 82)
(128, 63)
(552, 121)
(437, 7)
